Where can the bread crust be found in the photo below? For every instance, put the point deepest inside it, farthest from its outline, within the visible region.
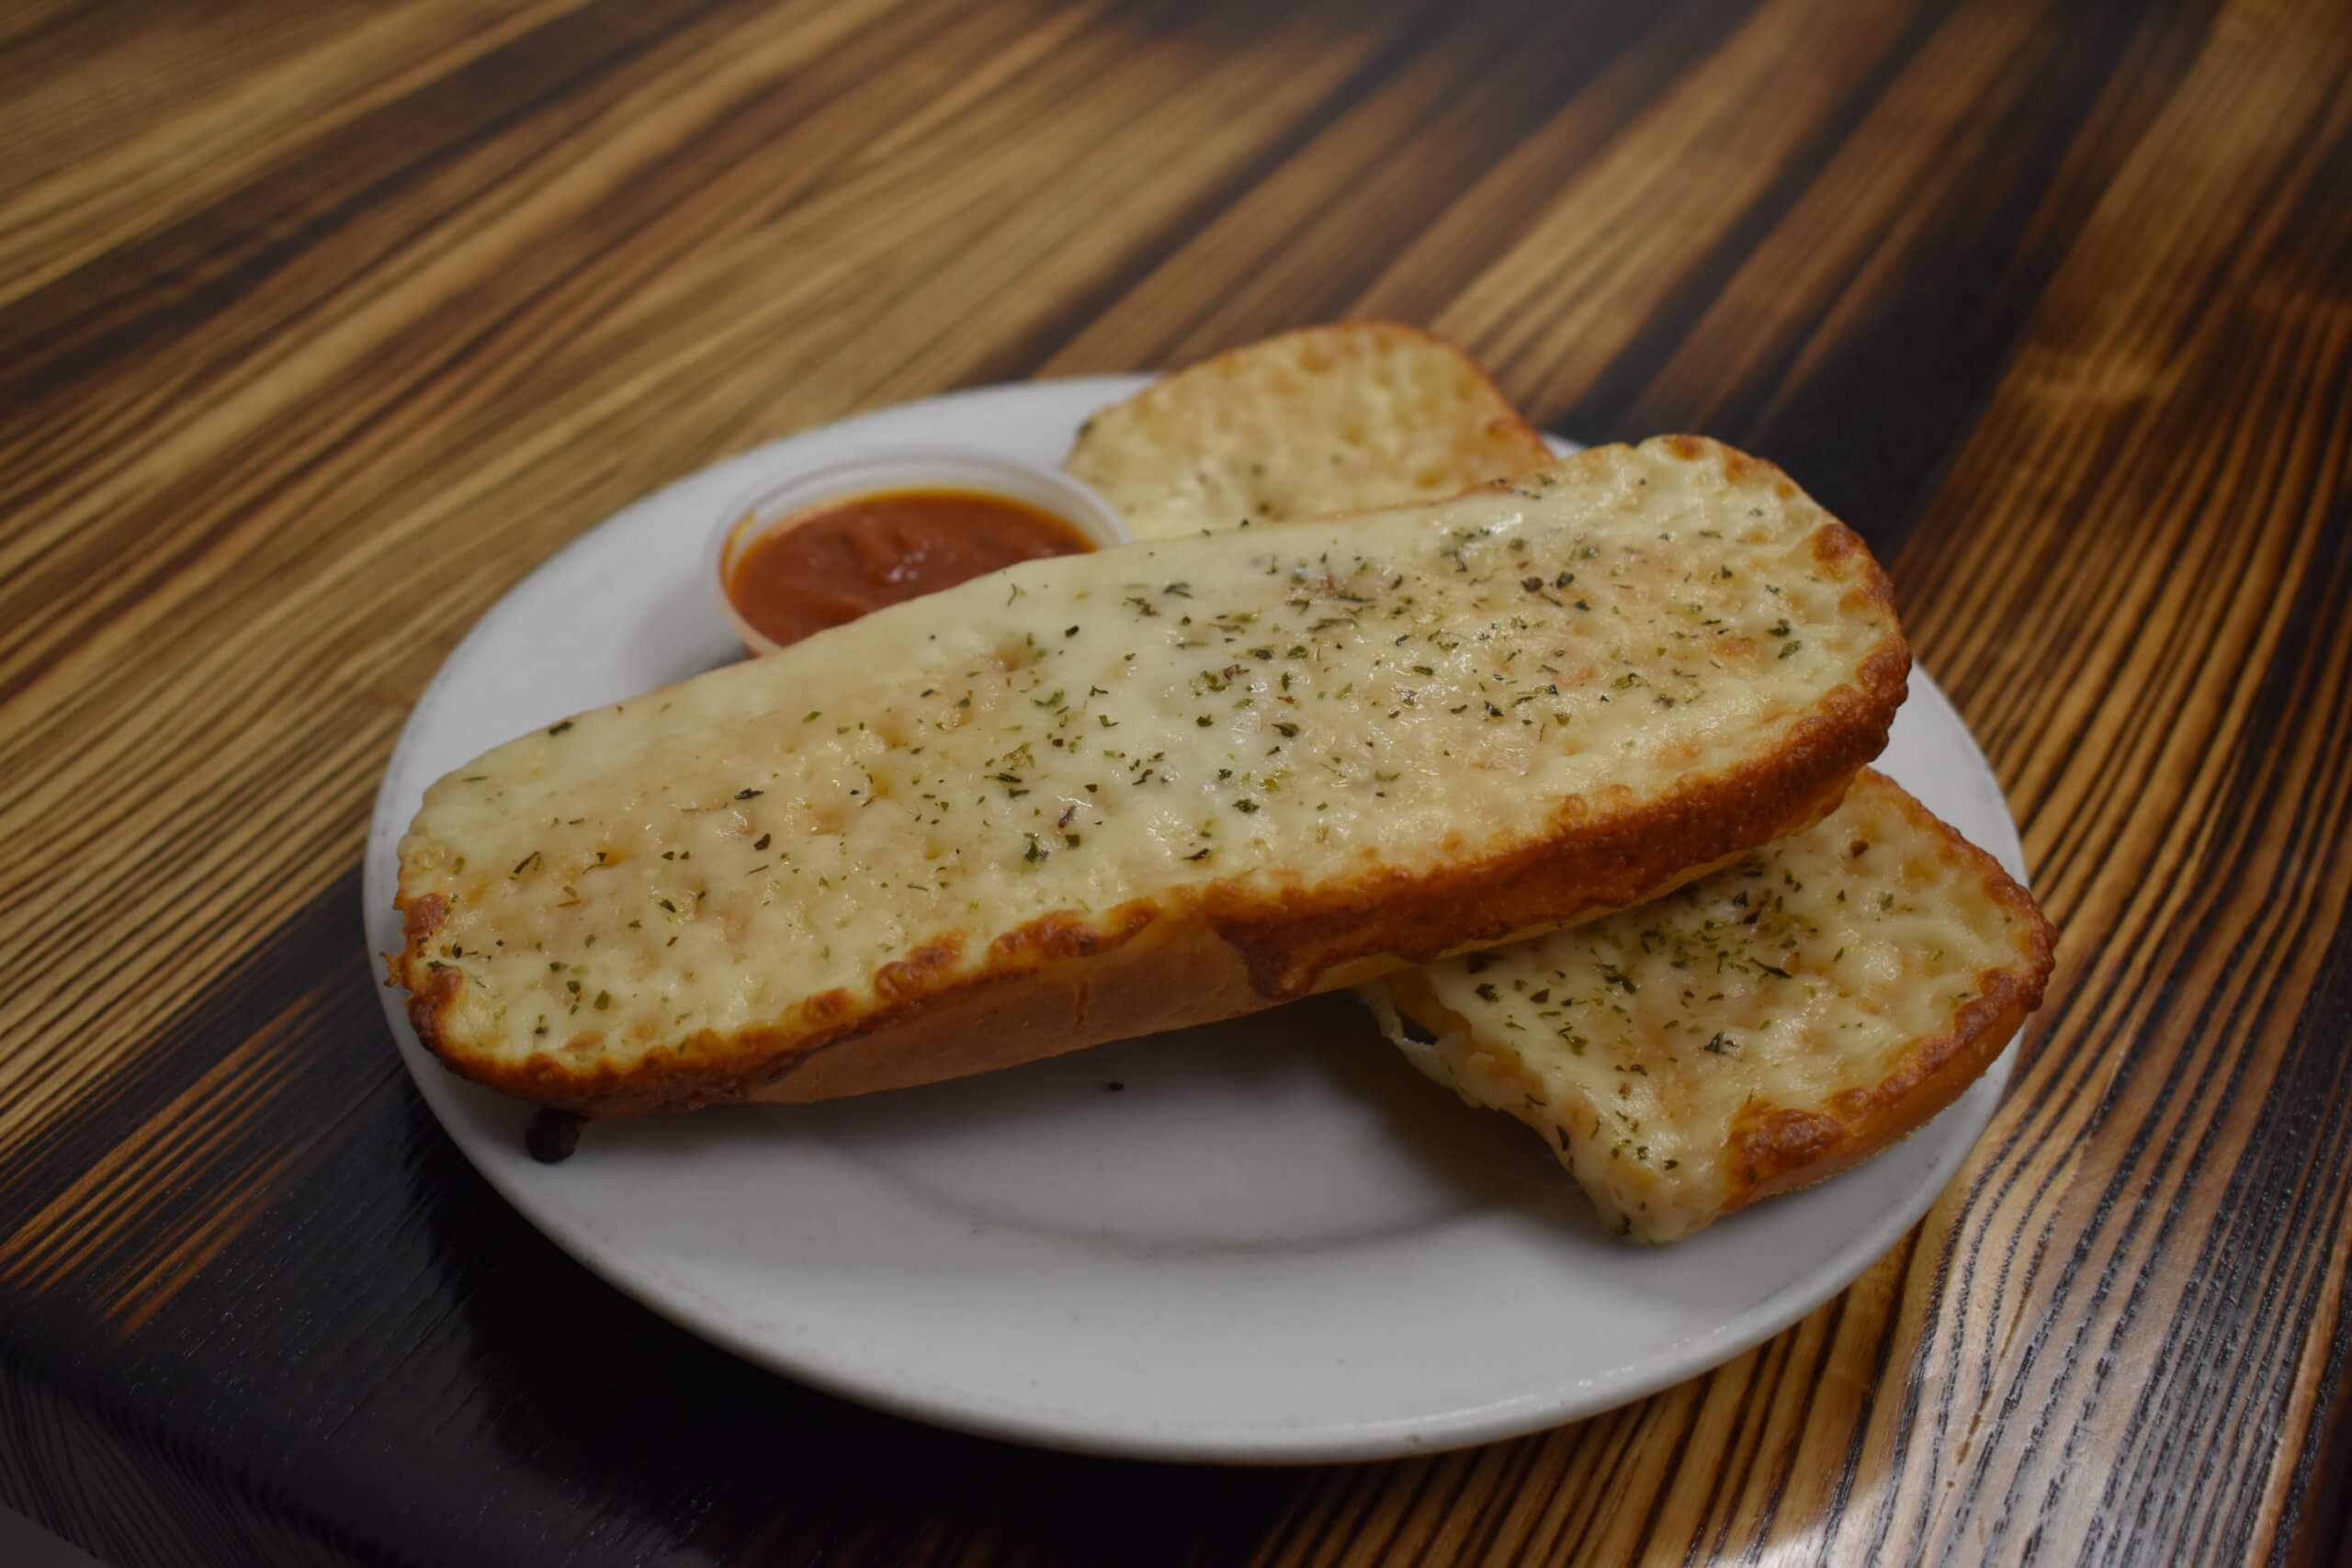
(1069, 980)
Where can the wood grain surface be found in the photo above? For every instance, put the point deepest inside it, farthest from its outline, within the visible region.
(320, 324)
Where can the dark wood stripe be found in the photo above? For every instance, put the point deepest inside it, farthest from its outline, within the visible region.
(1502, 68)
(2315, 1525)
(69, 335)
(1024, 356)
(1601, 408)
(38, 1165)
(1881, 1358)
(1929, 354)
(2250, 1244)
(1808, 1387)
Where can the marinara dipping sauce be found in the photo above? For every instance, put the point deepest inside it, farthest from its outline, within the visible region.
(853, 556)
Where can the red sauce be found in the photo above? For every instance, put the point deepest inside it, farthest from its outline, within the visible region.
(857, 556)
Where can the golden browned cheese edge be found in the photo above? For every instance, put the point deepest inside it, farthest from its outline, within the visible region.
(1220, 950)
(1780, 1149)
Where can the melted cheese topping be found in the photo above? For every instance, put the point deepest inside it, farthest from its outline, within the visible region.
(1332, 419)
(1265, 708)
(1810, 969)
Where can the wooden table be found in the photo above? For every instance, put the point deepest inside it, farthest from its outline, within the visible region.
(319, 325)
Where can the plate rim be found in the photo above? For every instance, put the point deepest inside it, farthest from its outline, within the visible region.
(1349, 1439)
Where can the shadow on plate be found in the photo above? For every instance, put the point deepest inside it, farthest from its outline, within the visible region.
(1289, 1132)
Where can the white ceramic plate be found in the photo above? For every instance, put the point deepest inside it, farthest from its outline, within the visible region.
(1270, 1241)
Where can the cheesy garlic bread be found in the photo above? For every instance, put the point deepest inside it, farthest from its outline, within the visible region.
(1100, 796)
(1342, 418)
(1756, 1031)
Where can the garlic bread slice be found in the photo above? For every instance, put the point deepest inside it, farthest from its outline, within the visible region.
(1342, 418)
(1761, 1029)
